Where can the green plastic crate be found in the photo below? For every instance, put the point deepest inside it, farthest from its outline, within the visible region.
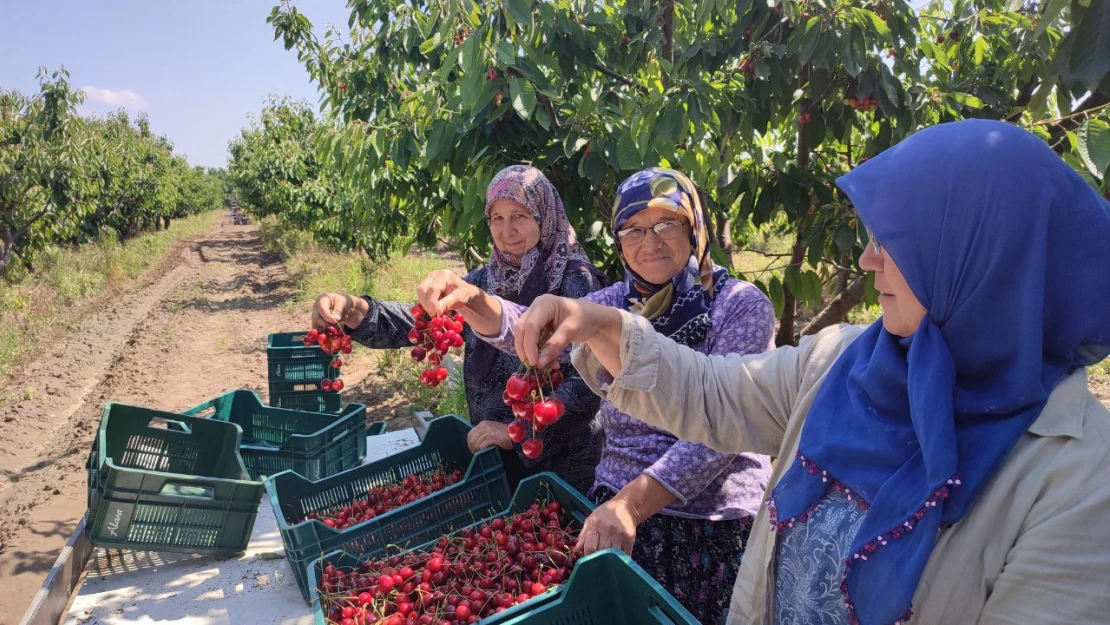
(304, 395)
(289, 360)
(156, 488)
(546, 486)
(290, 347)
(315, 445)
(605, 588)
(484, 489)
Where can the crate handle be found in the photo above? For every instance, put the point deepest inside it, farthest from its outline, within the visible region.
(661, 617)
(342, 434)
(170, 425)
(185, 489)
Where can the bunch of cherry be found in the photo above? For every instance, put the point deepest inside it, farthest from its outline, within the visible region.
(465, 577)
(434, 338)
(334, 341)
(382, 499)
(524, 393)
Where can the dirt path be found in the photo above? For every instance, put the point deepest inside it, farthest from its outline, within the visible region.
(196, 329)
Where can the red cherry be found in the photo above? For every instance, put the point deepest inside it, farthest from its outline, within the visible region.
(532, 448)
(418, 354)
(346, 349)
(325, 385)
(440, 373)
(337, 363)
(460, 318)
(517, 431)
(517, 387)
(462, 611)
(546, 413)
(524, 410)
(414, 337)
(556, 379)
(312, 335)
(337, 385)
(417, 311)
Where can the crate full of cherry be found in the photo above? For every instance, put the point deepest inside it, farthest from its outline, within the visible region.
(406, 498)
(505, 564)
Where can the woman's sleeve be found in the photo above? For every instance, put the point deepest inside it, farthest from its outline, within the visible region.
(745, 325)
(387, 324)
(733, 404)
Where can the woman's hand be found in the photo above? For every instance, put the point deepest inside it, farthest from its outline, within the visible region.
(444, 290)
(568, 321)
(612, 524)
(332, 309)
(488, 434)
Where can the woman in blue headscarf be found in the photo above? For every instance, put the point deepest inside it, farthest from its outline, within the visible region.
(948, 463)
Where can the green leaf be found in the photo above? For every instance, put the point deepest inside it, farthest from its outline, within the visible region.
(430, 44)
(776, 295)
(628, 157)
(489, 90)
(809, 39)
(573, 144)
(520, 11)
(1094, 147)
(979, 50)
(523, 97)
(967, 100)
(701, 14)
(1051, 12)
(877, 24)
(506, 53)
(1086, 48)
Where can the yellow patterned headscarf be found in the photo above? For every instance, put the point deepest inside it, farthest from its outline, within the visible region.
(664, 188)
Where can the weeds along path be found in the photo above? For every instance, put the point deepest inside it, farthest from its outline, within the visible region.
(194, 330)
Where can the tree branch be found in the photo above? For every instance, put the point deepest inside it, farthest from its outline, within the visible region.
(625, 80)
(836, 311)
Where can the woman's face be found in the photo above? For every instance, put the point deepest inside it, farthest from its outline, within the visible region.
(514, 229)
(657, 258)
(902, 313)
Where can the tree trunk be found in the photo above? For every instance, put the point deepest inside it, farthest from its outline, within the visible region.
(790, 303)
(722, 234)
(167, 220)
(837, 310)
(7, 242)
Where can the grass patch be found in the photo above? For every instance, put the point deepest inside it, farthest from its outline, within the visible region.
(66, 278)
(317, 270)
(1100, 369)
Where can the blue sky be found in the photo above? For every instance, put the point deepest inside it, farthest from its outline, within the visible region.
(197, 67)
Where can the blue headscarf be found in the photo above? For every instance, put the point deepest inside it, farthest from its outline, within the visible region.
(678, 309)
(1009, 251)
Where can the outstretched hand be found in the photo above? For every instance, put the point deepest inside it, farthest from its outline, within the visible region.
(552, 323)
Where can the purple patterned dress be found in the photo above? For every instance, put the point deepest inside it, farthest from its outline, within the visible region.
(692, 547)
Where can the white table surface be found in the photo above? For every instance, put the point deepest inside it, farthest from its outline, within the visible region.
(170, 588)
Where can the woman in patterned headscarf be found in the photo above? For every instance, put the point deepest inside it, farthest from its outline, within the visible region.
(682, 510)
(535, 252)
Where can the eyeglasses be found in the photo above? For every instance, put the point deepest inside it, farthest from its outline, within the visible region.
(666, 230)
(875, 245)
